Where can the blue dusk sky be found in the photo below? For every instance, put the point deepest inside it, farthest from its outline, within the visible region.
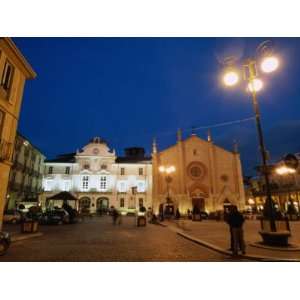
(129, 90)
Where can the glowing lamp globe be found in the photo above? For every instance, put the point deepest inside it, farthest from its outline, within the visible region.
(255, 85)
(162, 169)
(230, 78)
(269, 64)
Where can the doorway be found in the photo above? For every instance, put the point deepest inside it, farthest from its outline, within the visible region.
(103, 204)
(198, 204)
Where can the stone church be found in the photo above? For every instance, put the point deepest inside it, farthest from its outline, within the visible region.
(203, 175)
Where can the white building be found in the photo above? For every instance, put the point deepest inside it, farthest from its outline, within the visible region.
(100, 179)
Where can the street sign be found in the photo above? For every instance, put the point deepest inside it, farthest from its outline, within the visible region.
(291, 161)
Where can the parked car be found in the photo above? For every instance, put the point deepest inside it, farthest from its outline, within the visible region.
(204, 215)
(55, 217)
(11, 216)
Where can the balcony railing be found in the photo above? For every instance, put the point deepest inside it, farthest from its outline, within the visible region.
(5, 150)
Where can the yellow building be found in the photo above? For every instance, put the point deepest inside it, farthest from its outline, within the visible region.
(199, 174)
(14, 70)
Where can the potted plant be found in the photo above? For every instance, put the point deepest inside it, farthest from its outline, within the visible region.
(31, 221)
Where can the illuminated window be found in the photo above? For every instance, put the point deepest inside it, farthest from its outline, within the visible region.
(141, 186)
(122, 202)
(141, 202)
(141, 171)
(48, 185)
(7, 76)
(67, 185)
(50, 170)
(122, 171)
(122, 186)
(85, 183)
(103, 183)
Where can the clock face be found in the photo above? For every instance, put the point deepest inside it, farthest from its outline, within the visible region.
(95, 150)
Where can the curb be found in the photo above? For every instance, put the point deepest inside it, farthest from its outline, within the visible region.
(225, 252)
(25, 237)
(292, 248)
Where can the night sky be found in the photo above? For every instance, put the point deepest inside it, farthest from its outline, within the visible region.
(128, 90)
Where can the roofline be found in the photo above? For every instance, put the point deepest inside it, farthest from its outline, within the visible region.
(33, 146)
(31, 73)
(201, 139)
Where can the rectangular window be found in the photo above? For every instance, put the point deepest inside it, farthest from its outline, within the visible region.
(50, 170)
(7, 76)
(85, 183)
(141, 202)
(122, 202)
(140, 171)
(1, 122)
(141, 187)
(122, 186)
(48, 185)
(122, 171)
(67, 170)
(103, 183)
(67, 185)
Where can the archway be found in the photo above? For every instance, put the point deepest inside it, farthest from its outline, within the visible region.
(84, 203)
(102, 203)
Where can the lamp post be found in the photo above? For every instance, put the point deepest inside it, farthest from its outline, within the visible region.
(167, 170)
(268, 63)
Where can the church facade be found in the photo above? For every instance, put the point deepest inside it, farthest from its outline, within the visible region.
(201, 174)
(99, 178)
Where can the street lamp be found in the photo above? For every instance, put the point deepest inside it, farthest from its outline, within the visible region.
(268, 63)
(167, 170)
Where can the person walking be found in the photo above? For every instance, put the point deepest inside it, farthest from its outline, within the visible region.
(236, 221)
(114, 214)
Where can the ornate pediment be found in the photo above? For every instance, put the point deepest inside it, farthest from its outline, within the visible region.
(96, 147)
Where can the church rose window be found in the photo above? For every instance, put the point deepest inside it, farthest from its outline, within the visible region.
(196, 170)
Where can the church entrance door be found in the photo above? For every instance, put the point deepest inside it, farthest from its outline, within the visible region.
(198, 203)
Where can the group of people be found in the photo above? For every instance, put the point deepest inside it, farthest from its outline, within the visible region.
(233, 218)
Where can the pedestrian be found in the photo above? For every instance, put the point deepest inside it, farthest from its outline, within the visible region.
(226, 219)
(236, 221)
(161, 212)
(114, 214)
(177, 214)
(119, 218)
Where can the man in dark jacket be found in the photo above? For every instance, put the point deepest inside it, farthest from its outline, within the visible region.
(236, 221)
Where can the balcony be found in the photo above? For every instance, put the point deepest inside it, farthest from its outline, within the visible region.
(5, 150)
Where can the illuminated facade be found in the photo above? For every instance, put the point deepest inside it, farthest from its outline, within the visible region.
(206, 176)
(100, 179)
(14, 71)
(285, 189)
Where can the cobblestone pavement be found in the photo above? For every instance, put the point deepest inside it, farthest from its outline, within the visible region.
(217, 233)
(97, 239)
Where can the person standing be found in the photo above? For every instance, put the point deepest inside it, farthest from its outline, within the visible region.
(236, 221)
(114, 214)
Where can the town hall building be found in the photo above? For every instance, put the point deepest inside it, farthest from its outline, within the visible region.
(100, 179)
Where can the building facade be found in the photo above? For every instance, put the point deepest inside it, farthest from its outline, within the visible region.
(100, 179)
(285, 189)
(26, 174)
(205, 176)
(14, 71)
